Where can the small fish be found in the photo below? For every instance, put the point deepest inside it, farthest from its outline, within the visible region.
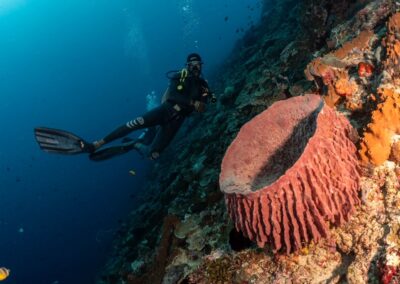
(226, 18)
(132, 172)
(4, 272)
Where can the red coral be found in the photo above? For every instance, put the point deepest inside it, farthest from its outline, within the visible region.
(365, 69)
(290, 171)
(388, 272)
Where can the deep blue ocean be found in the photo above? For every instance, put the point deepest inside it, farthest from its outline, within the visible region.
(87, 66)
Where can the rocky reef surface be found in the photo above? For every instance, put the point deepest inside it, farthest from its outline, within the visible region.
(345, 52)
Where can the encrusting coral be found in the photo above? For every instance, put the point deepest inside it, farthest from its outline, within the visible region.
(395, 155)
(376, 143)
(385, 123)
(331, 70)
(345, 87)
(393, 48)
(290, 171)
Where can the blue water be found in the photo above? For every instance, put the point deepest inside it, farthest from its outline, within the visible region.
(86, 66)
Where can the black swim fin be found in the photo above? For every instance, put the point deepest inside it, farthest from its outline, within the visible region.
(61, 142)
(113, 151)
(128, 139)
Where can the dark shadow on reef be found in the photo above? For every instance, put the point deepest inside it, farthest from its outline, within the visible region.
(289, 153)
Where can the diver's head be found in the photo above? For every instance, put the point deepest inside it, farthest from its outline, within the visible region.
(194, 63)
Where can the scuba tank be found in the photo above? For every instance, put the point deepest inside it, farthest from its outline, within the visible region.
(173, 75)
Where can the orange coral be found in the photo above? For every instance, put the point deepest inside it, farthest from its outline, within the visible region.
(375, 146)
(321, 65)
(393, 48)
(341, 86)
(354, 105)
(395, 156)
(358, 44)
(345, 87)
(330, 70)
(392, 42)
(317, 68)
(376, 143)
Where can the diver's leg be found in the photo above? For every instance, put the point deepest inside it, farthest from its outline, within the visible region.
(147, 137)
(164, 136)
(154, 117)
(111, 152)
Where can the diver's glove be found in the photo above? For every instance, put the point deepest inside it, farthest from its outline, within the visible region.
(199, 106)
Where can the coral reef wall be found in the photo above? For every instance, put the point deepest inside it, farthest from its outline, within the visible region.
(347, 53)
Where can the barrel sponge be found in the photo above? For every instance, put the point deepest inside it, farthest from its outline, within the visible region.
(290, 173)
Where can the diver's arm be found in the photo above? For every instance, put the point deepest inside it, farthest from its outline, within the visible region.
(200, 103)
(207, 94)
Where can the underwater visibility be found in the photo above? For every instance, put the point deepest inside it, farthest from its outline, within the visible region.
(188, 141)
(72, 72)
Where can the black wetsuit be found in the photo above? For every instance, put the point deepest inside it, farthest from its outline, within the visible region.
(170, 114)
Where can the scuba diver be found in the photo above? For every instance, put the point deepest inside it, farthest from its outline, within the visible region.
(187, 92)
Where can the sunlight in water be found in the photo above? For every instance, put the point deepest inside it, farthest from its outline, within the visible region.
(9, 5)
